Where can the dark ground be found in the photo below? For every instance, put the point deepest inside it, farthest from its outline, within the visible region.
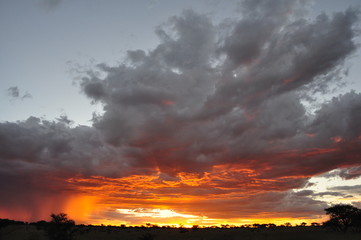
(31, 232)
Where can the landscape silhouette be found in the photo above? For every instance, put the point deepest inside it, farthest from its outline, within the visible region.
(344, 223)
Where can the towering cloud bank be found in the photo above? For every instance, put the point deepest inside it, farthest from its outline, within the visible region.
(226, 103)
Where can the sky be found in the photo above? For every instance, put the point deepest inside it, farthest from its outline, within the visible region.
(179, 112)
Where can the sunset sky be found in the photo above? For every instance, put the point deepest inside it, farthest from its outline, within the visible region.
(176, 112)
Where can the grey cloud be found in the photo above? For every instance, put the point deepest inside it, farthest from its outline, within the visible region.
(192, 45)
(350, 173)
(347, 188)
(26, 95)
(329, 193)
(254, 30)
(93, 88)
(171, 109)
(345, 173)
(339, 118)
(52, 4)
(304, 193)
(55, 145)
(64, 119)
(282, 117)
(344, 191)
(137, 56)
(296, 57)
(14, 92)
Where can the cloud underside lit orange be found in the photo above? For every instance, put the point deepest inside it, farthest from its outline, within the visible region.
(231, 193)
(227, 194)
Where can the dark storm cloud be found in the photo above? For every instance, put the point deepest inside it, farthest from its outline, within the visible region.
(250, 34)
(54, 146)
(227, 96)
(339, 118)
(180, 107)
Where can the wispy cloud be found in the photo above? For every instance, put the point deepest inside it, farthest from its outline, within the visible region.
(51, 4)
(14, 92)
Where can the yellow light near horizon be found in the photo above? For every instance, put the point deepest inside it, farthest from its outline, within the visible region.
(154, 213)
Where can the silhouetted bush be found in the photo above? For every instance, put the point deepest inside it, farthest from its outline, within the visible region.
(60, 227)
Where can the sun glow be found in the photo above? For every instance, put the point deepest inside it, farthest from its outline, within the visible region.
(154, 213)
(80, 207)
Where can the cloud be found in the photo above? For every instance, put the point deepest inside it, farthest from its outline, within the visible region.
(54, 145)
(304, 193)
(350, 173)
(348, 188)
(329, 194)
(14, 92)
(51, 4)
(215, 112)
(247, 109)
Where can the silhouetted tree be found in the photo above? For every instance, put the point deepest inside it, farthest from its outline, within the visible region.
(342, 217)
(61, 219)
(61, 227)
(195, 227)
(315, 224)
(288, 224)
(271, 225)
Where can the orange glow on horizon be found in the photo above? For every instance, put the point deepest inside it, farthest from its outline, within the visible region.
(80, 207)
(187, 199)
